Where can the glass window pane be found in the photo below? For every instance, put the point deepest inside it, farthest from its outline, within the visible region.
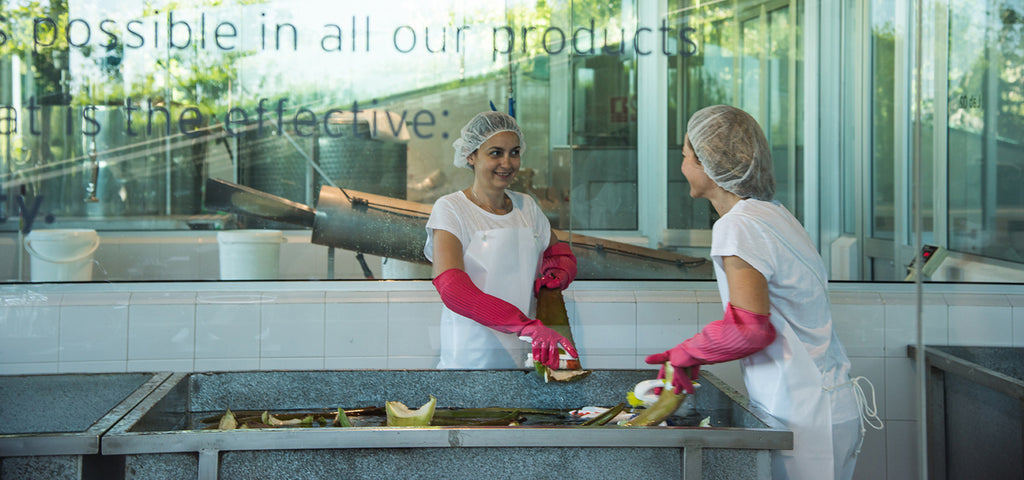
(986, 128)
(703, 79)
(716, 74)
(604, 123)
(752, 52)
(782, 110)
(883, 111)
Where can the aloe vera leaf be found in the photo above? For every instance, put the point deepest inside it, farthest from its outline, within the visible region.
(365, 411)
(666, 405)
(495, 412)
(541, 370)
(567, 375)
(482, 420)
(341, 419)
(551, 312)
(400, 415)
(668, 402)
(227, 421)
(276, 422)
(604, 417)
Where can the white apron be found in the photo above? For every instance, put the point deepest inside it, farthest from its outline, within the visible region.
(502, 263)
(784, 380)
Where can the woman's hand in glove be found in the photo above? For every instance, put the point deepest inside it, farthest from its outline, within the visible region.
(545, 342)
(558, 268)
(555, 278)
(685, 368)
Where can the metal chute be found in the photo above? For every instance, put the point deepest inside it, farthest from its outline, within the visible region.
(394, 228)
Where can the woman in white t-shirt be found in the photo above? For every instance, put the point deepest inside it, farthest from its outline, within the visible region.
(491, 250)
(773, 285)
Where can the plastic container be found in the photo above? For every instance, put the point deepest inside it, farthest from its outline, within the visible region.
(61, 255)
(565, 362)
(250, 254)
(644, 392)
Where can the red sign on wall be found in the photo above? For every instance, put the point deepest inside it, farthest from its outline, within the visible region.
(623, 109)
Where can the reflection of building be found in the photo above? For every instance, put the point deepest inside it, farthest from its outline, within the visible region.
(842, 137)
(357, 155)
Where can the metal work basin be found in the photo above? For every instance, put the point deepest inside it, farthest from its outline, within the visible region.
(160, 437)
(50, 425)
(975, 412)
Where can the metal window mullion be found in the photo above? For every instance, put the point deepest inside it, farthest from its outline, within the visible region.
(862, 130)
(990, 136)
(940, 136)
(862, 137)
(792, 88)
(737, 58)
(652, 137)
(763, 75)
(821, 233)
(904, 72)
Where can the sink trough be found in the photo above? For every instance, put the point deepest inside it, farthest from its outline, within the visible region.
(51, 425)
(165, 435)
(975, 412)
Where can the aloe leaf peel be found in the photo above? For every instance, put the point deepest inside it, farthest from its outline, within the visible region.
(227, 422)
(668, 402)
(341, 419)
(400, 415)
(273, 421)
(552, 313)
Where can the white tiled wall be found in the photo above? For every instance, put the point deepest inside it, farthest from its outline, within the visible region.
(193, 255)
(58, 328)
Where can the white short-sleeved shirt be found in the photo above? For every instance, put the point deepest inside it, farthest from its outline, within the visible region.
(457, 214)
(772, 240)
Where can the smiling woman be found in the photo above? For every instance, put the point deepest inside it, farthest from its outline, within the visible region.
(485, 243)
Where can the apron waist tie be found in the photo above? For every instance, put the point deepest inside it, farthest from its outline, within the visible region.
(868, 414)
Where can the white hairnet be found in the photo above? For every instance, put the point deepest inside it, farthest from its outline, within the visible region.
(733, 150)
(482, 127)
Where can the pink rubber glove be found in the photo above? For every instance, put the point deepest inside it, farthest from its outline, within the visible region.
(545, 342)
(682, 377)
(461, 295)
(557, 268)
(739, 333)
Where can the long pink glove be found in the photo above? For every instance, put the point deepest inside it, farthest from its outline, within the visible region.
(463, 297)
(739, 333)
(557, 268)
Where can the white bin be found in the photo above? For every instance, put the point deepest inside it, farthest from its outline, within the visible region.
(250, 254)
(61, 255)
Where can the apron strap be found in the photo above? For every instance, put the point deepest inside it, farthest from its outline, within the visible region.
(868, 414)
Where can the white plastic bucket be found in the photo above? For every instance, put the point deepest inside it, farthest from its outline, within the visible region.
(250, 254)
(61, 255)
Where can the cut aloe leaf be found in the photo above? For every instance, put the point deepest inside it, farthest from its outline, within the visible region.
(605, 417)
(400, 415)
(667, 403)
(341, 419)
(227, 421)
